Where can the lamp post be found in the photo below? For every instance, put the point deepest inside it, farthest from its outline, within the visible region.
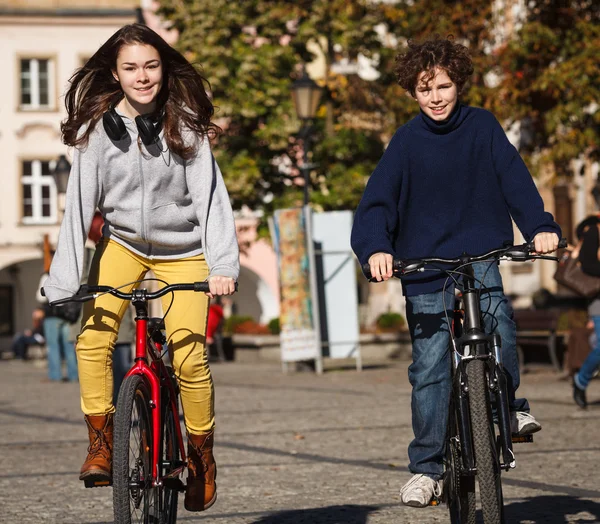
(60, 173)
(306, 95)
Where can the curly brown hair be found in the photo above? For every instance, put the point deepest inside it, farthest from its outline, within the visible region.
(182, 99)
(439, 52)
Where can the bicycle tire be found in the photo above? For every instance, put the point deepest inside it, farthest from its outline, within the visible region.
(169, 453)
(134, 498)
(459, 489)
(484, 444)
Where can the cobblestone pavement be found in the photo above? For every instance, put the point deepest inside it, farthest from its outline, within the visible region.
(296, 448)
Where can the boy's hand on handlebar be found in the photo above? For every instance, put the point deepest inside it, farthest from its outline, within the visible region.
(220, 285)
(545, 243)
(381, 265)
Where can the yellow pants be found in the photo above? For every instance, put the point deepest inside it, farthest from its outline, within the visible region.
(114, 265)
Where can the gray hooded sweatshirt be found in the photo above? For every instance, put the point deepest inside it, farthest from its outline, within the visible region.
(154, 203)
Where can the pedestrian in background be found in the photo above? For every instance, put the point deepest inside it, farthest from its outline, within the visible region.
(214, 329)
(588, 234)
(21, 341)
(57, 328)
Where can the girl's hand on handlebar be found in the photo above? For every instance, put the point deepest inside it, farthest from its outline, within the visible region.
(545, 243)
(220, 285)
(381, 265)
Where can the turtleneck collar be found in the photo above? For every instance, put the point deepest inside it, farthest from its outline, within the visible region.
(445, 126)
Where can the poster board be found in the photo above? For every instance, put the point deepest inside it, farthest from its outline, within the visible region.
(337, 285)
(298, 319)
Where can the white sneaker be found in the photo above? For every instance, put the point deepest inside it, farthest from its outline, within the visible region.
(522, 423)
(419, 491)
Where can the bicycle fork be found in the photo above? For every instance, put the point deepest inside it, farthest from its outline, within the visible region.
(475, 344)
(497, 385)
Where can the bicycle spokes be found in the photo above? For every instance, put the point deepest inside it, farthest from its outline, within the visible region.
(134, 496)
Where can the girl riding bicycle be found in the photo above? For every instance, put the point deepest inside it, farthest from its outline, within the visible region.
(448, 183)
(139, 120)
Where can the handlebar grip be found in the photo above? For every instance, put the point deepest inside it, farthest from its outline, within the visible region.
(397, 267)
(203, 287)
(366, 269)
(562, 243)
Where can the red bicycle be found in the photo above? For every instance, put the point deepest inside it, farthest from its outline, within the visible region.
(148, 448)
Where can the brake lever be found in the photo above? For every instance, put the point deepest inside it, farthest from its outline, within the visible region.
(516, 254)
(411, 266)
(526, 252)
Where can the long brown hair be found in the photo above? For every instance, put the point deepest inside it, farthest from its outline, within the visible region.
(93, 90)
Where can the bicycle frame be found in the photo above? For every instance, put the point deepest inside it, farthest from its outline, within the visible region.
(486, 348)
(154, 373)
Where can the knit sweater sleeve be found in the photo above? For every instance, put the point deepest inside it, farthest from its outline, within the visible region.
(520, 193)
(376, 218)
(83, 193)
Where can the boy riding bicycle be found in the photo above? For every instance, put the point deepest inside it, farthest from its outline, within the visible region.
(448, 183)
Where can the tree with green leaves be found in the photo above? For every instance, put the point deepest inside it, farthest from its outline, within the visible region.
(550, 82)
(250, 52)
(544, 75)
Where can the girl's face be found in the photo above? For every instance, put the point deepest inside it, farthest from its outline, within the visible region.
(438, 96)
(139, 71)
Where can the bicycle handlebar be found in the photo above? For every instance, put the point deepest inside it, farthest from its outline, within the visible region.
(86, 292)
(518, 253)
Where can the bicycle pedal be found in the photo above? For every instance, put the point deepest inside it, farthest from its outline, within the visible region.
(435, 501)
(520, 440)
(174, 484)
(97, 483)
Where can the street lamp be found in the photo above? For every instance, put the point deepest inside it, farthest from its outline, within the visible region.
(306, 95)
(60, 173)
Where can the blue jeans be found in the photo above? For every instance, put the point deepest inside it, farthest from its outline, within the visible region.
(430, 373)
(592, 362)
(56, 331)
(21, 343)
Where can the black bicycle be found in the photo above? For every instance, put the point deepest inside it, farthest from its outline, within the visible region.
(476, 446)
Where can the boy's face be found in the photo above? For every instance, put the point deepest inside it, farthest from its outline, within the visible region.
(436, 96)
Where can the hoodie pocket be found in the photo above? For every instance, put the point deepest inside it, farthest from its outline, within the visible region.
(169, 225)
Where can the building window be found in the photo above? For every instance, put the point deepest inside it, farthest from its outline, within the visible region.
(36, 83)
(39, 192)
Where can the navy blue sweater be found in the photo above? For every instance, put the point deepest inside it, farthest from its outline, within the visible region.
(446, 188)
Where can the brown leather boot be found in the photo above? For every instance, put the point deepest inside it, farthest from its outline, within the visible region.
(201, 489)
(98, 464)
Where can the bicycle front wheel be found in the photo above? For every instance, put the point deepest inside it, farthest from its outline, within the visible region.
(459, 489)
(484, 444)
(170, 454)
(134, 498)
